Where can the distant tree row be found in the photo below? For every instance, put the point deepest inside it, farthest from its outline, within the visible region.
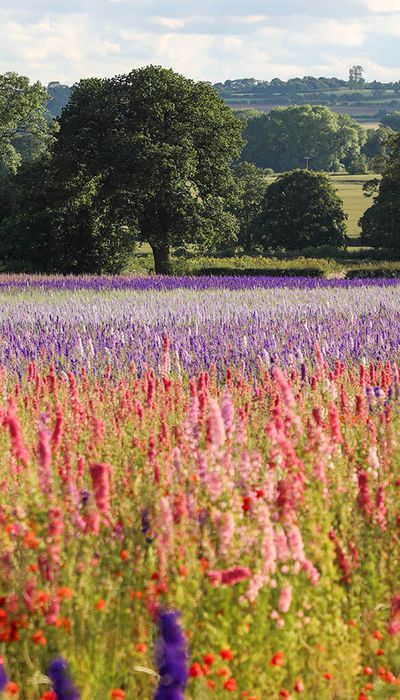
(152, 156)
(307, 84)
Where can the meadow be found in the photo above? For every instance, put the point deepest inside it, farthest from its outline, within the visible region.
(199, 488)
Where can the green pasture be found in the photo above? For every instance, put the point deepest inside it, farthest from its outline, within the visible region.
(349, 189)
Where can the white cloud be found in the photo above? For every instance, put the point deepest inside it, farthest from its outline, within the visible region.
(64, 48)
(331, 32)
(382, 6)
(170, 22)
(46, 40)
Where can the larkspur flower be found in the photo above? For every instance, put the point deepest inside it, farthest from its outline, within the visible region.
(62, 683)
(171, 657)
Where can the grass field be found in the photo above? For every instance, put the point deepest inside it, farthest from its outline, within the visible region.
(349, 188)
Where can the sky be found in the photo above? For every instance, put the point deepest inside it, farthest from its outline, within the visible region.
(213, 40)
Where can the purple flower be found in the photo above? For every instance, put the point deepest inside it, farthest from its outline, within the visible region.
(3, 676)
(62, 683)
(171, 658)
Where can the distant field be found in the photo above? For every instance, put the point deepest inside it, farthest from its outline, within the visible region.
(349, 188)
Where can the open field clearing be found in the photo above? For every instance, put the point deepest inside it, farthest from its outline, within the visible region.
(225, 448)
(350, 190)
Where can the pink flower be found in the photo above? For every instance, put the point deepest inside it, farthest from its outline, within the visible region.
(394, 623)
(44, 460)
(17, 440)
(229, 577)
(285, 599)
(216, 424)
(100, 474)
(226, 531)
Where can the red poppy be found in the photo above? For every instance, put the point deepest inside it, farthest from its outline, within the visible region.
(230, 684)
(117, 694)
(299, 686)
(277, 659)
(209, 659)
(226, 654)
(195, 670)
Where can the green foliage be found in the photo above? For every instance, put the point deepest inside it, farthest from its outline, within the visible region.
(42, 230)
(392, 121)
(252, 186)
(380, 223)
(158, 149)
(300, 209)
(285, 137)
(22, 115)
(358, 165)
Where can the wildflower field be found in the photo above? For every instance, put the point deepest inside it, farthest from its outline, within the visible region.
(199, 488)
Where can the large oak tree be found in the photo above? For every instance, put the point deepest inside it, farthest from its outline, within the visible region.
(155, 149)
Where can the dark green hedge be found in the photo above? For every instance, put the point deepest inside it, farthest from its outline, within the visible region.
(266, 271)
(373, 272)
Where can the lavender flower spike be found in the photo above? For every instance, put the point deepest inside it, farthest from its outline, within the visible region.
(62, 684)
(171, 658)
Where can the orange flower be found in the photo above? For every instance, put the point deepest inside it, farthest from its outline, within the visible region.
(124, 555)
(30, 540)
(64, 593)
(48, 695)
(38, 638)
(141, 648)
(328, 676)
(136, 595)
(211, 683)
(117, 694)
(101, 604)
(377, 635)
(11, 689)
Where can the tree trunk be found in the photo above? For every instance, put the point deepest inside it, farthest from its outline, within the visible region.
(162, 261)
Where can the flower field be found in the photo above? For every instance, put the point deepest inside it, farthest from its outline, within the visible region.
(225, 448)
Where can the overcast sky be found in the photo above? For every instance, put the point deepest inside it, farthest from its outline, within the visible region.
(204, 39)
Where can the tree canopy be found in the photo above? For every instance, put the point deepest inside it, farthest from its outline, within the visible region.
(290, 137)
(392, 121)
(156, 149)
(380, 223)
(252, 184)
(22, 114)
(300, 209)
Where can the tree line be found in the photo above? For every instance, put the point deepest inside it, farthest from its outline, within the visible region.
(152, 156)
